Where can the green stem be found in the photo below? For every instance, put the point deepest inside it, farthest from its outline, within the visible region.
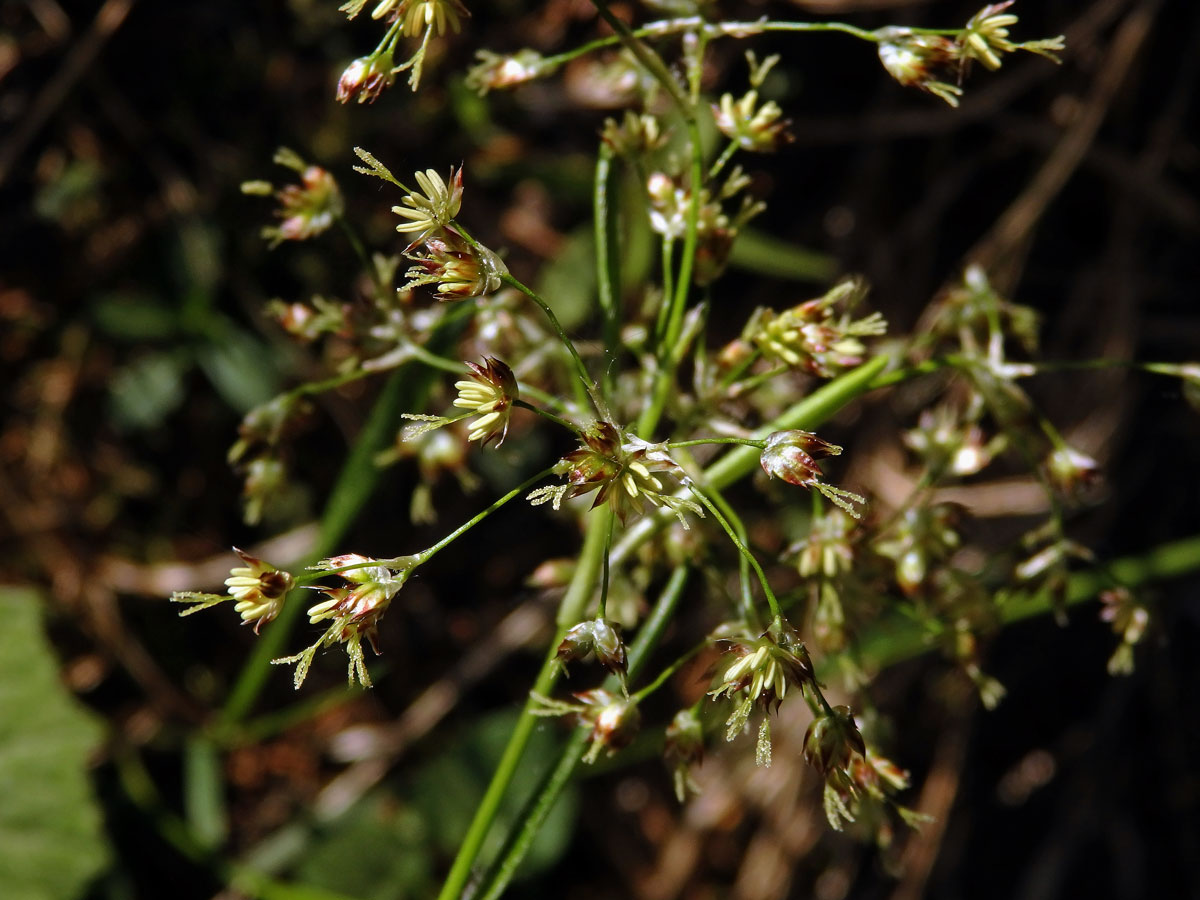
(719, 164)
(604, 572)
(429, 553)
(666, 673)
(710, 30)
(747, 442)
(546, 414)
(580, 369)
(571, 611)
(534, 815)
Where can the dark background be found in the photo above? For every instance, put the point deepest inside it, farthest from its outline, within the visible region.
(130, 265)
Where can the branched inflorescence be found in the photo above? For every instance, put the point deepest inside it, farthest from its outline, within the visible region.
(632, 403)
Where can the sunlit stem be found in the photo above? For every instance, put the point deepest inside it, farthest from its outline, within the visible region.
(546, 414)
(466, 526)
(666, 673)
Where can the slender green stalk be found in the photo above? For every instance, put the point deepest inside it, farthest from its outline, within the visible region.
(570, 612)
(602, 612)
(608, 271)
(776, 612)
(710, 30)
(429, 553)
(546, 414)
(665, 674)
(699, 442)
(581, 370)
(719, 164)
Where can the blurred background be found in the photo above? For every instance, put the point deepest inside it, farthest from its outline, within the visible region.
(132, 340)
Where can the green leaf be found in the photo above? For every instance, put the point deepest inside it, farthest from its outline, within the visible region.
(131, 316)
(51, 839)
(147, 390)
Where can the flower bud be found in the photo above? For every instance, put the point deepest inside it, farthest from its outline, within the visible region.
(792, 455)
(832, 740)
(599, 636)
(1071, 472)
(615, 721)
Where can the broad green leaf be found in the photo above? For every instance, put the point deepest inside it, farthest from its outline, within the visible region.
(51, 839)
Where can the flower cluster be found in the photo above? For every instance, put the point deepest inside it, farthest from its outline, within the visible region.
(493, 72)
(948, 444)
(813, 336)
(621, 470)
(353, 610)
(1129, 618)
(922, 537)
(756, 672)
(716, 229)
(307, 209)
(917, 58)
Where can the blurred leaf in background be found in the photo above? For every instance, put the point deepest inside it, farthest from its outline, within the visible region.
(51, 839)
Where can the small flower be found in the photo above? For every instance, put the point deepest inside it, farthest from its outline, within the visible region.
(914, 59)
(460, 270)
(634, 135)
(1071, 472)
(354, 610)
(924, 535)
(258, 589)
(491, 392)
(683, 747)
(791, 456)
(615, 720)
(946, 443)
(716, 230)
(308, 321)
(599, 636)
(832, 740)
(493, 72)
(759, 129)
(621, 471)
(1129, 619)
(367, 77)
(829, 548)
(433, 207)
(985, 37)
(435, 16)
